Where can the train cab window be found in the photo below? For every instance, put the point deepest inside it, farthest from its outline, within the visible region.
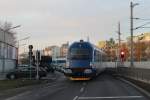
(80, 54)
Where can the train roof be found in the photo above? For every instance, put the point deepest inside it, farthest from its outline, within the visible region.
(87, 44)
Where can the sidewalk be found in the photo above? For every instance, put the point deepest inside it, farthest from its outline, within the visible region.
(2, 76)
(49, 79)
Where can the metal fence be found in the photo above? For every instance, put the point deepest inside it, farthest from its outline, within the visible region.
(135, 73)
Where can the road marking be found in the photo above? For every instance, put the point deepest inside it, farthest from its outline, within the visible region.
(18, 96)
(115, 97)
(75, 98)
(84, 83)
(55, 90)
(47, 84)
(82, 89)
(137, 87)
(53, 85)
(52, 78)
(50, 85)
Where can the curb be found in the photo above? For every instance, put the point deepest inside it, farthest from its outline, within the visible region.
(144, 92)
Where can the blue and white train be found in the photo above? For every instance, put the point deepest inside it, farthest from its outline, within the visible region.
(84, 61)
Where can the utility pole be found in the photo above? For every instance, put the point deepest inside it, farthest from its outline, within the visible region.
(119, 44)
(131, 31)
(119, 38)
(30, 60)
(38, 58)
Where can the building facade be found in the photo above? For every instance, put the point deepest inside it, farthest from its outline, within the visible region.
(8, 51)
(64, 50)
(53, 51)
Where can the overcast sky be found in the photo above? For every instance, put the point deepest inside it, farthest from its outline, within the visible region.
(53, 22)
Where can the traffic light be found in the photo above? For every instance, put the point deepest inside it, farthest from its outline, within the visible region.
(122, 55)
(30, 47)
(30, 50)
(38, 55)
(30, 53)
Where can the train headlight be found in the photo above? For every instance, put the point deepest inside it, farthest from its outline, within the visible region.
(87, 71)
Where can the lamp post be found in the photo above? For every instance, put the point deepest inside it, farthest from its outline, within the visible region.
(23, 40)
(4, 31)
(19, 46)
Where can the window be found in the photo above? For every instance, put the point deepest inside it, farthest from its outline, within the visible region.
(1, 50)
(10, 52)
(5, 51)
(80, 54)
(14, 53)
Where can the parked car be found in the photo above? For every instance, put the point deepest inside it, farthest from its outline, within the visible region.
(24, 72)
(59, 64)
(20, 66)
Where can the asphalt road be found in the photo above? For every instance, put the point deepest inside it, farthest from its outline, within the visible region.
(104, 87)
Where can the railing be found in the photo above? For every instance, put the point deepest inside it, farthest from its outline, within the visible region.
(135, 73)
(142, 64)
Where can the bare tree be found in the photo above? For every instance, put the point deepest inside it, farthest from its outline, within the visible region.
(6, 26)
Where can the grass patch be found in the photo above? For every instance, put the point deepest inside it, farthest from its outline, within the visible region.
(10, 84)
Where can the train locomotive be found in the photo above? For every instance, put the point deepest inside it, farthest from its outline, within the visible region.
(84, 61)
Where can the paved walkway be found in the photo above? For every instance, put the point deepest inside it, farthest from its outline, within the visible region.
(2, 76)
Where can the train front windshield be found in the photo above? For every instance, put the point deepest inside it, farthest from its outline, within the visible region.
(80, 54)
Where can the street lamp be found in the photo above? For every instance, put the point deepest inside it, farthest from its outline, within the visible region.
(141, 26)
(4, 31)
(23, 39)
(19, 46)
(141, 19)
(13, 27)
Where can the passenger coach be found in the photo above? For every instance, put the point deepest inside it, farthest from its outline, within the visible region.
(84, 61)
